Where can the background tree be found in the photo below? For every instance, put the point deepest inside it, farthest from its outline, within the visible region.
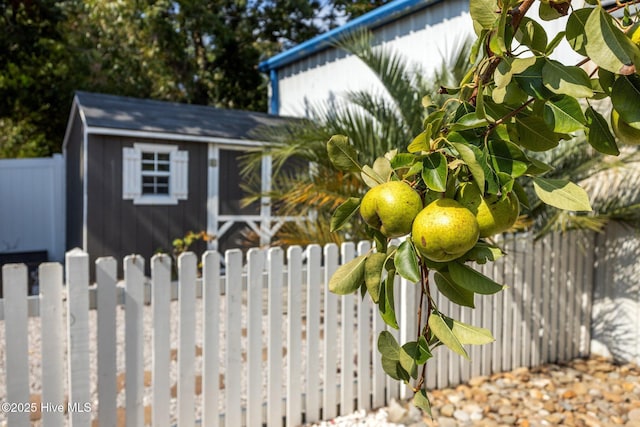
(202, 52)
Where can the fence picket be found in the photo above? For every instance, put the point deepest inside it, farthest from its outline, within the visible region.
(160, 339)
(329, 402)
(210, 347)
(275, 266)
(255, 258)
(187, 272)
(106, 279)
(77, 263)
(294, 343)
(312, 322)
(542, 316)
(14, 279)
(346, 336)
(52, 356)
(134, 340)
(233, 351)
(364, 344)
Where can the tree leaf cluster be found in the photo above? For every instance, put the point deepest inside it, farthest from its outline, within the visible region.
(515, 102)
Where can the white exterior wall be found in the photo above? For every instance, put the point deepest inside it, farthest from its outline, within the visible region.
(616, 295)
(423, 38)
(32, 206)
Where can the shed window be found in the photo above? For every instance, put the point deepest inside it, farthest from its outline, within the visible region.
(154, 174)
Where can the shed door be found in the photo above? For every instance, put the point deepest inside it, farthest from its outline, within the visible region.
(233, 224)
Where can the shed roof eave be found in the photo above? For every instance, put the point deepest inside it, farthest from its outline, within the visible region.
(93, 130)
(379, 16)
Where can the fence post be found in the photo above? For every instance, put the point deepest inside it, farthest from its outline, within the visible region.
(294, 344)
(77, 263)
(233, 322)
(14, 278)
(314, 294)
(330, 319)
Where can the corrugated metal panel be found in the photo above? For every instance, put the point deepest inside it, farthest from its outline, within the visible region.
(423, 37)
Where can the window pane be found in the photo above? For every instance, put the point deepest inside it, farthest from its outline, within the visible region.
(147, 180)
(163, 167)
(164, 180)
(148, 156)
(147, 166)
(162, 189)
(163, 157)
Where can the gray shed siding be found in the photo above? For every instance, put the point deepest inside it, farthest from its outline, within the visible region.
(74, 154)
(117, 227)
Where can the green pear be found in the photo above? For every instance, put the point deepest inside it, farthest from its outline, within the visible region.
(391, 208)
(495, 214)
(444, 230)
(625, 133)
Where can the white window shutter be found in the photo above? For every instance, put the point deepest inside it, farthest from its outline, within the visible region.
(180, 174)
(131, 173)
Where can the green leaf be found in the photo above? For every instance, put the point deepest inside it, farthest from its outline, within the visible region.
(531, 81)
(394, 370)
(342, 155)
(469, 121)
(575, 32)
(348, 277)
(443, 332)
(451, 290)
(344, 212)
(522, 194)
(508, 158)
(483, 252)
(371, 177)
(599, 135)
(388, 346)
(484, 12)
(562, 194)
(434, 120)
(473, 280)
(434, 171)
(510, 94)
(553, 44)
(402, 160)
(548, 13)
(412, 355)
(387, 302)
(468, 156)
(564, 115)
(420, 143)
(373, 268)
(537, 168)
(625, 96)
(532, 34)
(421, 401)
(406, 262)
(608, 46)
(468, 334)
(534, 134)
(566, 80)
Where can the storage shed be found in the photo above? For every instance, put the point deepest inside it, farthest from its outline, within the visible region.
(141, 173)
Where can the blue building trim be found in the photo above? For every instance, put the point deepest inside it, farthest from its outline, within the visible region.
(379, 16)
(274, 102)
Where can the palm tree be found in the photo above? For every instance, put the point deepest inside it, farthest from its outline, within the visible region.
(375, 123)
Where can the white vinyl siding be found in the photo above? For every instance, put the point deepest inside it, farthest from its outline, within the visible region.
(155, 174)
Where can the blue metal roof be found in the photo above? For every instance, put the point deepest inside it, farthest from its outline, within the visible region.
(379, 16)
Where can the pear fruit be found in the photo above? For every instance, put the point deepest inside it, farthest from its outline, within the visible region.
(444, 230)
(495, 214)
(623, 131)
(391, 208)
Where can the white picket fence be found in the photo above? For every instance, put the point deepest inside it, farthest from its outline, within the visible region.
(276, 347)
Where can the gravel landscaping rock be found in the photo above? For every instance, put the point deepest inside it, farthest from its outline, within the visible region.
(582, 393)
